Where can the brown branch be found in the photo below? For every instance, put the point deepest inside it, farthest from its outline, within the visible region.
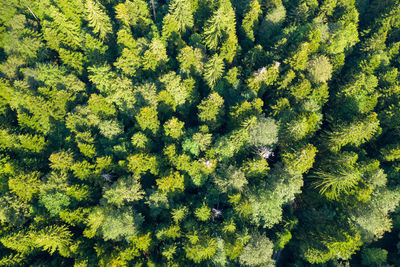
(153, 4)
(33, 14)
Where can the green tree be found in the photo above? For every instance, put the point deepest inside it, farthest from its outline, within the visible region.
(55, 202)
(319, 69)
(173, 182)
(98, 19)
(113, 224)
(199, 251)
(222, 22)
(374, 256)
(339, 177)
(174, 128)
(25, 186)
(148, 120)
(213, 70)
(203, 213)
(230, 178)
(54, 238)
(13, 210)
(141, 163)
(134, 13)
(354, 133)
(258, 252)
(272, 22)
(300, 160)
(191, 60)
(178, 92)
(251, 19)
(264, 132)
(266, 198)
(182, 14)
(137, 132)
(211, 110)
(125, 190)
(155, 56)
(372, 218)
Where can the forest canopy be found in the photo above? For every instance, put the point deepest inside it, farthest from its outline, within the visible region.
(199, 133)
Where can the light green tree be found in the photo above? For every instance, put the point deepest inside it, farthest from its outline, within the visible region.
(320, 69)
(203, 213)
(148, 120)
(258, 252)
(25, 186)
(264, 132)
(174, 128)
(354, 133)
(211, 110)
(251, 19)
(98, 19)
(213, 70)
(125, 190)
(113, 224)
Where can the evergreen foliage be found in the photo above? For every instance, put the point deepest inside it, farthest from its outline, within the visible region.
(199, 133)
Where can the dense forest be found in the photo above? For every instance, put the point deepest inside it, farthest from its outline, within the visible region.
(199, 133)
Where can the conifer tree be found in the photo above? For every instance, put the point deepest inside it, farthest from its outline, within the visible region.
(138, 132)
(354, 133)
(222, 22)
(147, 119)
(213, 70)
(211, 110)
(251, 19)
(98, 19)
(181, 12)
(125, 190)
(257, 252)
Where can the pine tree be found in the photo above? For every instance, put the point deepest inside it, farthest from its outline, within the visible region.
(129, 61)
(113, 224)
(148, 120)
(354, 133)
(191, 60)
(319, 69)
(125, 190)
(263, 133)
(272, 22)
(25, 186)
(257, 252)
(374, 256)
(174, 128)
(331, 243)
(303, 126)
(199, 252)
(141, 163)
(178, 92)
(171, 183)
(213, 70)
(372, 218)
(13, 210)
(134, 13)
(181, 12)
(98, 19)
(222, 22)
(339, 176)
(155, 56)
(300, 160)
(230, 179)
(251, 19)
(163, 138)
(211, 110)
(334, 184)
(54, 238)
